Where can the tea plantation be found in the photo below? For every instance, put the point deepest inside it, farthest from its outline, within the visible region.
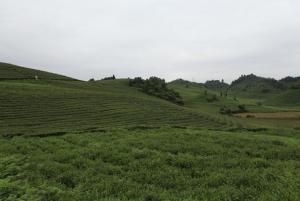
(63, 139)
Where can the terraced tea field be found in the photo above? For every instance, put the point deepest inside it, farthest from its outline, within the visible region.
(13, 72)
(45, 107)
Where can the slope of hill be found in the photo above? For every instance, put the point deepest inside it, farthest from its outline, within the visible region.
(252, 86)
(290, 82)
(10, 71)
(198, 97)
(290, 97)
(50, 106)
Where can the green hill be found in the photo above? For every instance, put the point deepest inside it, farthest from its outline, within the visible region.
(198, 97)
(291, 82)
(290, 97)
(252, 86)
(50, 106)
(10, 71)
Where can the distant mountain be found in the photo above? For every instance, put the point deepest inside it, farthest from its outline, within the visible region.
(10, 71)
(253, 86)
(185, 82)
(291, 97)
(216, 85)
(291, 82)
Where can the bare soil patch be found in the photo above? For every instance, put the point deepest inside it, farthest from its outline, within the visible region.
(270, 115)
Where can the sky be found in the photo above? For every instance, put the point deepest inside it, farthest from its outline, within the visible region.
(197, 40)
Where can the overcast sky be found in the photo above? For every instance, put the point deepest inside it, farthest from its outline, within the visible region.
(191, 39)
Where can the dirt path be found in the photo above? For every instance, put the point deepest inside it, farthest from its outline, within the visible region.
(270, 115)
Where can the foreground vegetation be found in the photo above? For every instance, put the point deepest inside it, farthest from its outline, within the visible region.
(157, 164)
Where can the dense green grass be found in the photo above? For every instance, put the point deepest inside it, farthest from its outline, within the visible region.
(159, 164)
(10, 71)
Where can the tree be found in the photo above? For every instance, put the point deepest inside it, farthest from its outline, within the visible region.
(156, 87)
(109, 78)
(242, 108)
(136, 82)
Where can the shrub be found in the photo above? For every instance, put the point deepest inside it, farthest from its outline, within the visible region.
(136, 82)
(226, 111)
(211, 99)
(156, 87)
(109, 78)
(241, 109)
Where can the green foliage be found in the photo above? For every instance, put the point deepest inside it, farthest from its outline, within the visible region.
(216, 85)
(158, 164)
(156, 87)
(242, 108)
(228, 111)
(109, 78)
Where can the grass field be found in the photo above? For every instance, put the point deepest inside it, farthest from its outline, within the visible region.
(63, 139)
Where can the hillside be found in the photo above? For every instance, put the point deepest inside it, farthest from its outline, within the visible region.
(291, 82)
(290, 97)
(10, 71)
(48, 107)
(199, 97)
(252, 86)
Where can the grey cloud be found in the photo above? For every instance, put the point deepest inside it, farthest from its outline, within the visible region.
(193, 39)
